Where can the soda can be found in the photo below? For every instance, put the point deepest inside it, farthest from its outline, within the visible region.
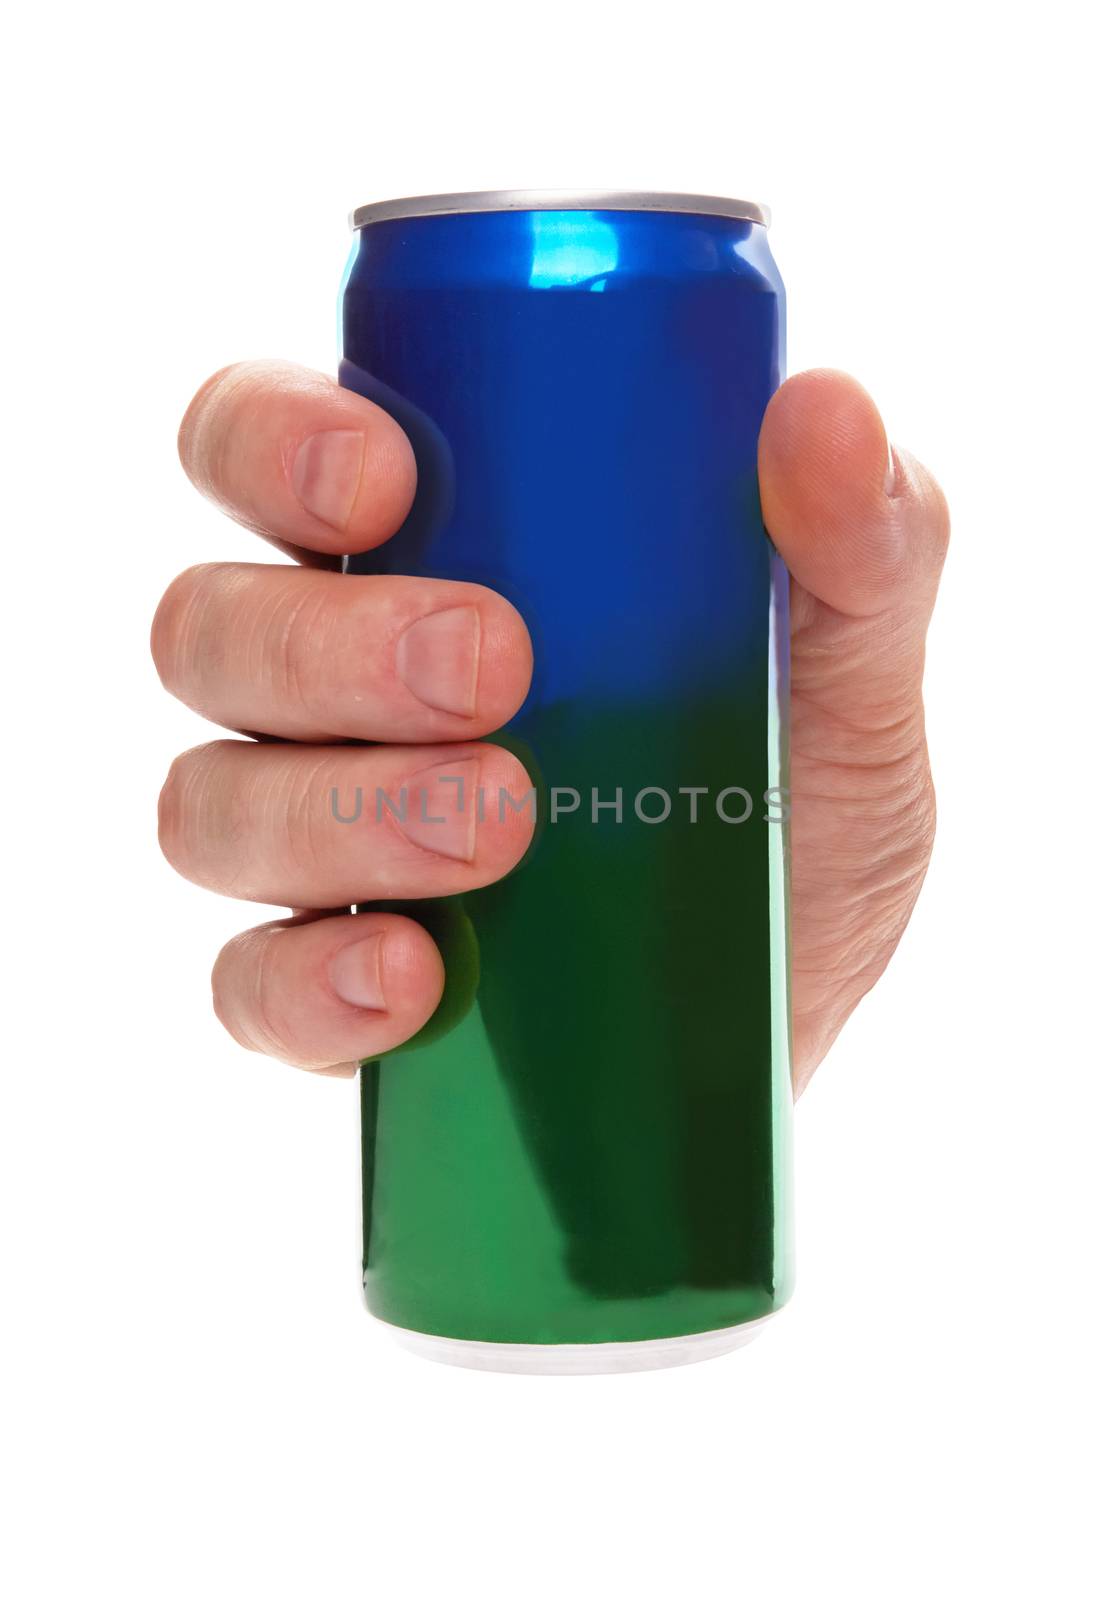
(581, 1164)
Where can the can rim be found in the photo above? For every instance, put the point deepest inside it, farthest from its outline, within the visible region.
(437, 205)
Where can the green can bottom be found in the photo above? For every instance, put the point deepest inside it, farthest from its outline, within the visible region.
(578, 1360)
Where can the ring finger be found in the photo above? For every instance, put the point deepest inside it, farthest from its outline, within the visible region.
(322, 827)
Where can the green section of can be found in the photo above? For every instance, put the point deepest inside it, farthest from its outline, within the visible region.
(590, 1139)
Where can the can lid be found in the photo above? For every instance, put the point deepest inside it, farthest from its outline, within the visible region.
(436, 205)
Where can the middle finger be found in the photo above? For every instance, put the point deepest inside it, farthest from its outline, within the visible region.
(305, 654)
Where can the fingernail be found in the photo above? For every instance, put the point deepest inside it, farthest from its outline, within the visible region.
(437, 809)
(355, 974)
(325, 474)
(891, 477)
(438, 658)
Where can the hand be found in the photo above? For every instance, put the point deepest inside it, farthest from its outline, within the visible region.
(309, 657)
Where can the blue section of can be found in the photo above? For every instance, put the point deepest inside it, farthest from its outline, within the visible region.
(633, 418)
(584, 391)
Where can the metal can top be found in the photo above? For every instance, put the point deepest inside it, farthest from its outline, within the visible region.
(434, 205)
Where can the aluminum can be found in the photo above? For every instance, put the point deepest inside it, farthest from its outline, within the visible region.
(582, 1163)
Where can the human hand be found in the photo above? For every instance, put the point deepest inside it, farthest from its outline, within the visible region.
(423, 668)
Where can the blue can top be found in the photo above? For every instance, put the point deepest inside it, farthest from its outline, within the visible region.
(433, 205)
(559, 245)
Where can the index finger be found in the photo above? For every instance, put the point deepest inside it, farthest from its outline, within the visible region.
(298, 459)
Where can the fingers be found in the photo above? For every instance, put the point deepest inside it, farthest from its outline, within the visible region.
(860, 529)
(329, 993)
(297, 458)
(316, 655)
(327, 827)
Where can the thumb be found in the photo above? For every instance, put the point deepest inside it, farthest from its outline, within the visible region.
(861, 527)
(863, 530)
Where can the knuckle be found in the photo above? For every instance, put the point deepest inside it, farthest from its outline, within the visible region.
(225, 987)
(197, 423)
(185, 793)
(210, 423)
(295, 640)
(171, 811)
(303, 842)
(180, 623)
(247, 995)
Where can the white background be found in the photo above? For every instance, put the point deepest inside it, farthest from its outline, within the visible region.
(198, 1404)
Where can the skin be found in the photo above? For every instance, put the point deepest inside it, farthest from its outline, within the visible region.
(323, 670)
